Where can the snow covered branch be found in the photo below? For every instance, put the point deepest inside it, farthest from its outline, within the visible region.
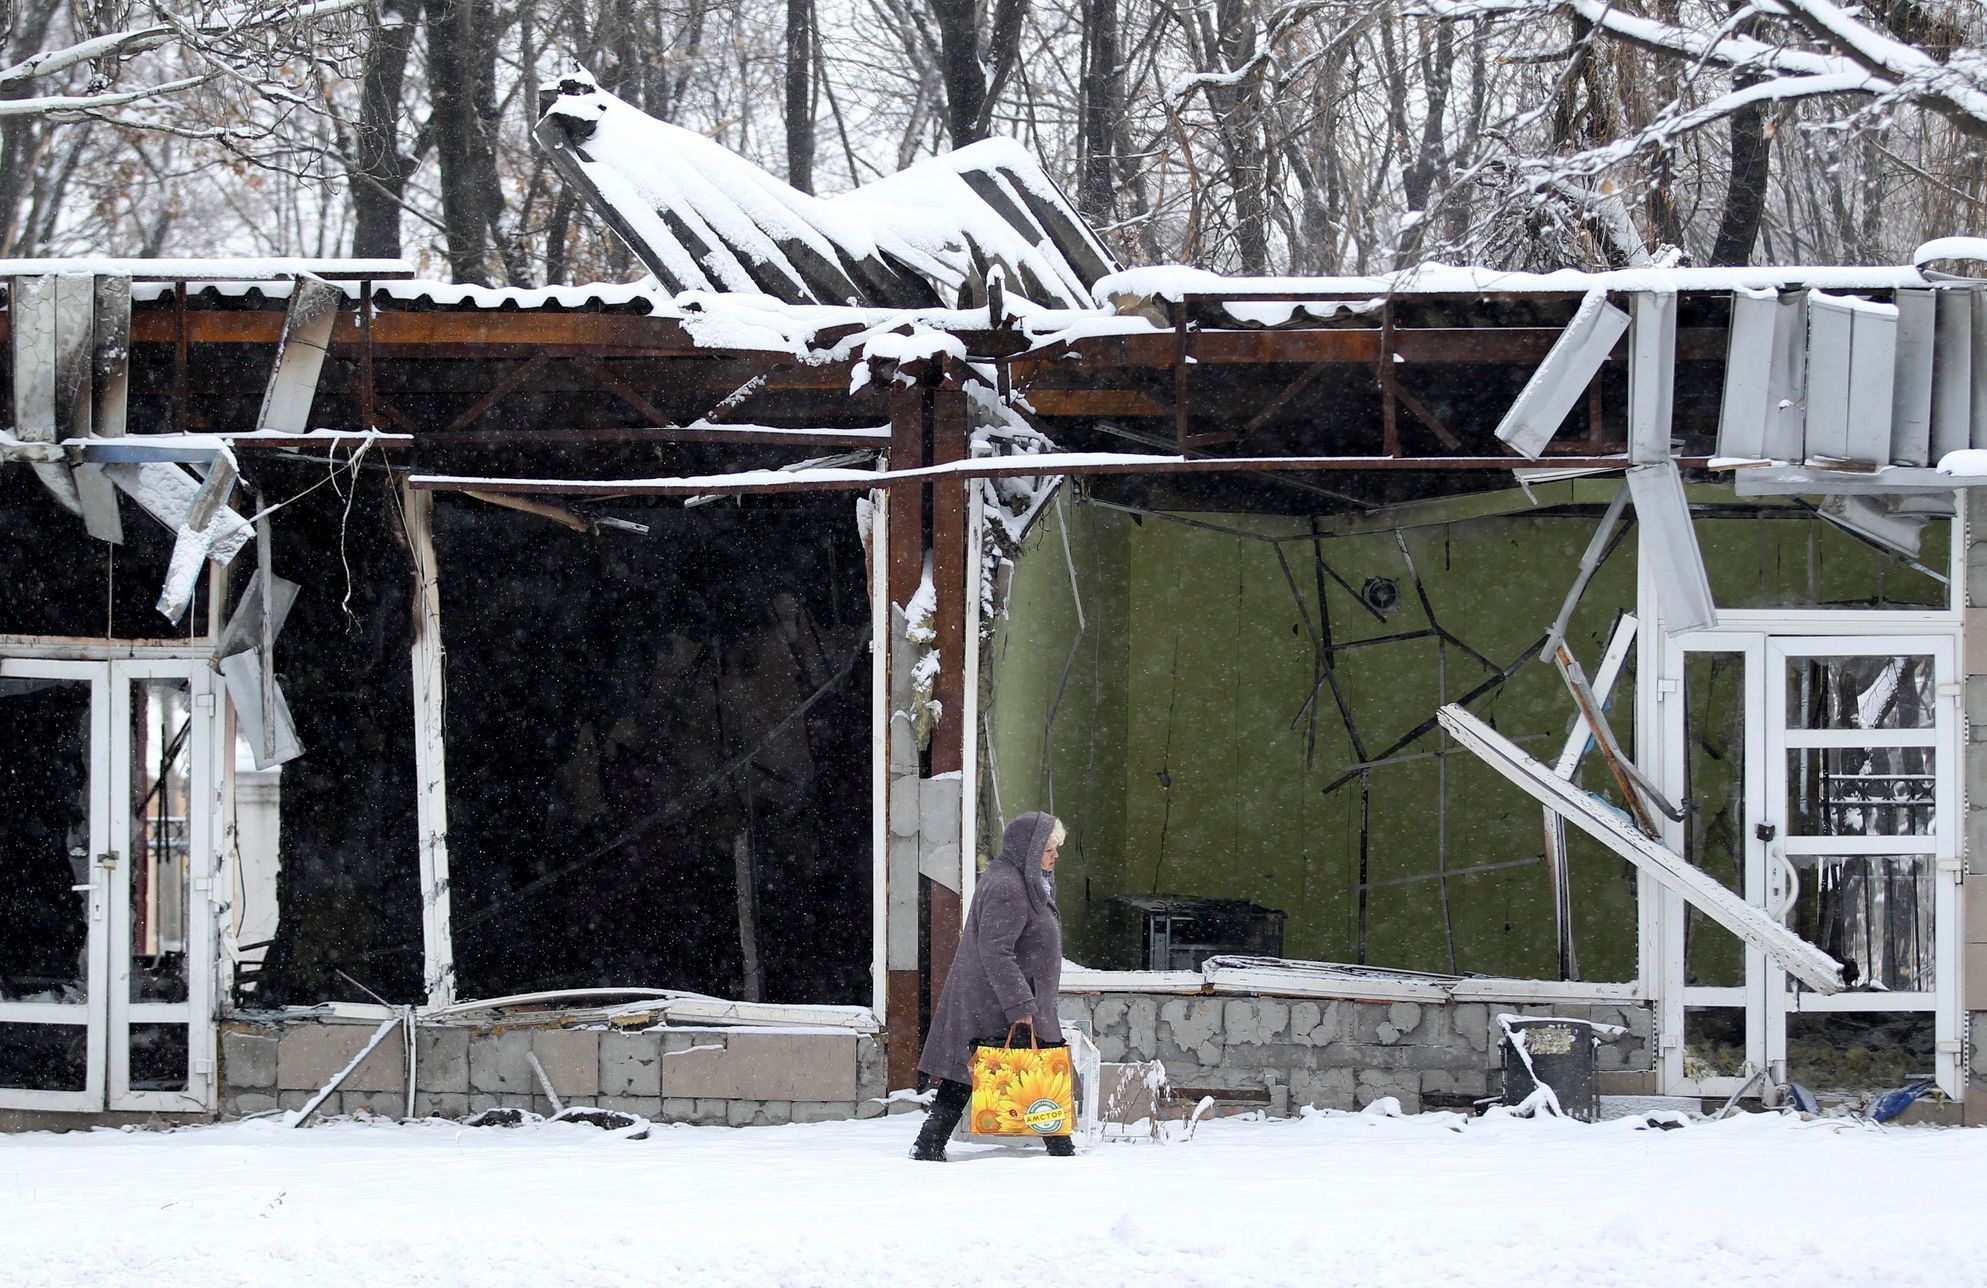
(131, 41)
(69, 107)
(1866, 62)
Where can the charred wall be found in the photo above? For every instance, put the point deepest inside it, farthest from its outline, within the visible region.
(349, 890)
(657, 747)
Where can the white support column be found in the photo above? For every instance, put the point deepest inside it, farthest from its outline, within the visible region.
(969, 766)
(879, 765)
(430, 780)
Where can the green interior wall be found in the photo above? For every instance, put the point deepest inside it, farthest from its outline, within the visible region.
(1055, 696)
(1178, 758)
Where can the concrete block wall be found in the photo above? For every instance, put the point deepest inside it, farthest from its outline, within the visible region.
(736, 1077)
(1287, 1052)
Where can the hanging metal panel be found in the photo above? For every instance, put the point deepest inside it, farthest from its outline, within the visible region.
(1562, 379)
(1911, 379)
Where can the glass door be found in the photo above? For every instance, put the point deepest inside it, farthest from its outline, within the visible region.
(106, 860)
(1863, 858)
(165, 782)
(1711, 979)
(56, 869)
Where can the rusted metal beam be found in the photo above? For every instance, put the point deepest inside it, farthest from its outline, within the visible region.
(1057, 402)
(1390, 421)
(626, 392)
(948, 736)
(368, 418)
(1276, 404)
(180, 420)
(738, 435)
(905, 904)
(503, 389)
(1183, 429)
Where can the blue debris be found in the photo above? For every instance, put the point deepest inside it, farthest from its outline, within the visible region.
(1895, 1101)
(1802, 1099)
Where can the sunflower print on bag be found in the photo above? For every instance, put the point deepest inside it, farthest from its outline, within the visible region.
(1022, 1091)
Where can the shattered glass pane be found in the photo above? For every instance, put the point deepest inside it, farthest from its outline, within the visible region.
(1777, 552)
(44, 840)
(1860, 692)
(161, 797)
(1854, 1055)
(1873, 914)
(1714, 1042)
(651, 741)
(1241, 705)
(158, 1057)
(67, 583)
(1861, 791)
(44, 1057)
(1714, 728)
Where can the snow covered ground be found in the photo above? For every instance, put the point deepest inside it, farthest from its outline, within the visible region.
(1337, 1200)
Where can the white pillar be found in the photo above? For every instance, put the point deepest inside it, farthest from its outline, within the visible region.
(430, 780)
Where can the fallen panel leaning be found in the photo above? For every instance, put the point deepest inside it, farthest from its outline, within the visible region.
(1595, 817)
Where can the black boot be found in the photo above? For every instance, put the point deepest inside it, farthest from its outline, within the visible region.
(1059, 1146)
(946, 1109)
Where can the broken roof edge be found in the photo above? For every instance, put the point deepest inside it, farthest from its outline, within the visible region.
(211, 269)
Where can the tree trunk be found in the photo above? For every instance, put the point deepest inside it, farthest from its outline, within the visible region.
(1102, 112)
(378, 173)
(959, 66)
(462, 144)
(22, 138)
(1745, 187)
(800, 94)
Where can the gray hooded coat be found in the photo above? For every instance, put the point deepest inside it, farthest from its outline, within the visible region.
(1010, 956)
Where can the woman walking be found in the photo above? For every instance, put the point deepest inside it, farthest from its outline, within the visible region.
(1006, 973)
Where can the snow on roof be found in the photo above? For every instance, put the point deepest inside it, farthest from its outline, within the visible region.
(703, 218)
(1173, 281)
(233, 269)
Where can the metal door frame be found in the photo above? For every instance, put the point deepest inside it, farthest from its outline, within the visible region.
(108, 1010)
(93, 1012)
(1767, 642)
(205, 774)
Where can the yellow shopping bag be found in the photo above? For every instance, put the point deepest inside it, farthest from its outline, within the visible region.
(1021, 1091)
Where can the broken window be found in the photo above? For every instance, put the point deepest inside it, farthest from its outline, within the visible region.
(45, 843)
(65, 582)
(1241, 706)
(1821, 552)
(1716, 831)
(658, 744)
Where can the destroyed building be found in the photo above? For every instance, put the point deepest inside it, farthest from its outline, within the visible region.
(461, 698)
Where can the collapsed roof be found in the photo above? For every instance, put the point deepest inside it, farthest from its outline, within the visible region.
(703, 218)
